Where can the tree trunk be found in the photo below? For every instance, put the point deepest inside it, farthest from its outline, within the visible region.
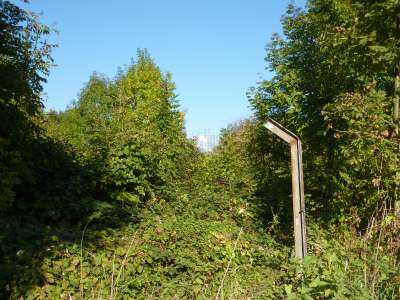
(396, 100)
(396, 92)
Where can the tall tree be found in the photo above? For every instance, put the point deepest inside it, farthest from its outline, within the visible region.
(129, 129)
(24, 63)
(335, 73)
(148, 131)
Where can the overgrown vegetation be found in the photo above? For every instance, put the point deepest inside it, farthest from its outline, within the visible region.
(110, 199)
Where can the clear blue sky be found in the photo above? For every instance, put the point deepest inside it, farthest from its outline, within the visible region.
(213, 48)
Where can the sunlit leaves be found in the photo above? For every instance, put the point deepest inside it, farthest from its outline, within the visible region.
(333, 85)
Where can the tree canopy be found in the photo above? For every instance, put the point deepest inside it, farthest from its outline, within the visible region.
(334, 84)
(24, 63)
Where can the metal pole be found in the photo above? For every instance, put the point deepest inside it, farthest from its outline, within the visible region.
(297, 185)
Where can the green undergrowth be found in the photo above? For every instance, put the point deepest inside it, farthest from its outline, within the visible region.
(109, 199)
(184, 248)
(206, 243)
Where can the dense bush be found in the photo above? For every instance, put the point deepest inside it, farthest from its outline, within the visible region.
(208, 243)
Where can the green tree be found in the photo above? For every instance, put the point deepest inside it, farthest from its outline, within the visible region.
(335, 73)
(86, 123)
(24, 63)
(129, 130)
(147, 129)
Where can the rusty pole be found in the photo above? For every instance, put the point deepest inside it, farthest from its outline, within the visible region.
(297, 185)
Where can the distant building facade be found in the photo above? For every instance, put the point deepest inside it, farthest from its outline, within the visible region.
(205, 140)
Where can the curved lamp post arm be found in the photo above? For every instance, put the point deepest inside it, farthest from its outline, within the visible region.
(297, 184)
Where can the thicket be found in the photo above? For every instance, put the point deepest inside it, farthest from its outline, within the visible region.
(336, 84)
(110, 199)
(121, 144)
(128, 131)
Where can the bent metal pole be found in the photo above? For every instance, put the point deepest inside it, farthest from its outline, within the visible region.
(297, 184)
